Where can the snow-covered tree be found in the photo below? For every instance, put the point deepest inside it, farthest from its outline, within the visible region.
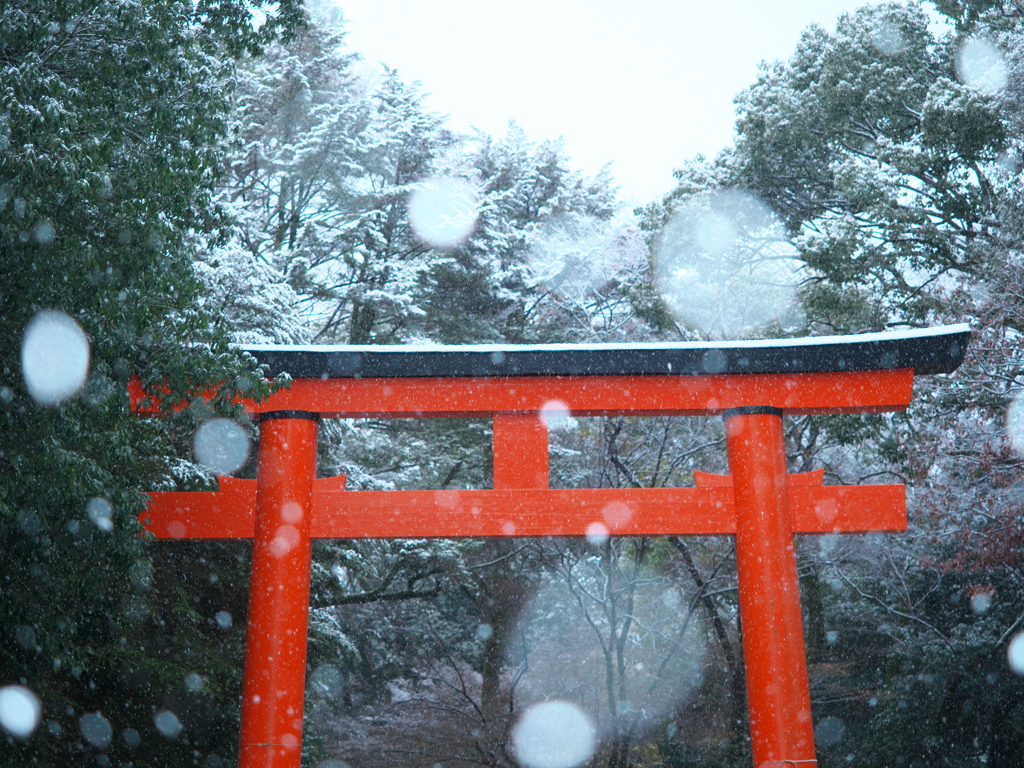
(889, 149)
(113, 118)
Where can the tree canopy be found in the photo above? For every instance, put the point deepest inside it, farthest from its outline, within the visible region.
(113, 128)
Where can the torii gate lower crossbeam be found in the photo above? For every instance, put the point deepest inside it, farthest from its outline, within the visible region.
(752, 384)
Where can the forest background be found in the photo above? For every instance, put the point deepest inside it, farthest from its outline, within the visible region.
(175, 179)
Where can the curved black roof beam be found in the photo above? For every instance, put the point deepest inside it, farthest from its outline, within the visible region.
(926, 351)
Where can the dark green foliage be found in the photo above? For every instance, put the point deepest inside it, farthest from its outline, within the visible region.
(934, 693)
(880, 162)
(112, 122)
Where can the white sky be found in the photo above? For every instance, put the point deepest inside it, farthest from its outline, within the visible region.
(642, 85)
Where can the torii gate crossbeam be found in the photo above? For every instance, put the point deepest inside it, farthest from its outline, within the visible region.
(751, 384)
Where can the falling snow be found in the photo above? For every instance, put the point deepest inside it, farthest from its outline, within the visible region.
(1015, 653)
(221, 445)
(725, 266)
(20, 711)
(982, 65)
(167, 723)
(54, 357)
(443, 211)
(554, 734)
(100, 512)
(95, 729)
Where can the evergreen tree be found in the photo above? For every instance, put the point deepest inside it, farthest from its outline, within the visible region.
(112, 126)
(890, 153)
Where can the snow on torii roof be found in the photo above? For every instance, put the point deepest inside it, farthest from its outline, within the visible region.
(927, 351)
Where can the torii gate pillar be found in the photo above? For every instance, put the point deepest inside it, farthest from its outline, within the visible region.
(274, 685)
(778, 696)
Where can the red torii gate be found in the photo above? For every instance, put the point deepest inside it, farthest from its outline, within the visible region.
(751, 384)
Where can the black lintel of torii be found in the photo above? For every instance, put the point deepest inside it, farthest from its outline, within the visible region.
(926, 351)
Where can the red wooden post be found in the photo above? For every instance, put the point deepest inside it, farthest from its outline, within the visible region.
(778, 697)
(520, 451)
(275, 645)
